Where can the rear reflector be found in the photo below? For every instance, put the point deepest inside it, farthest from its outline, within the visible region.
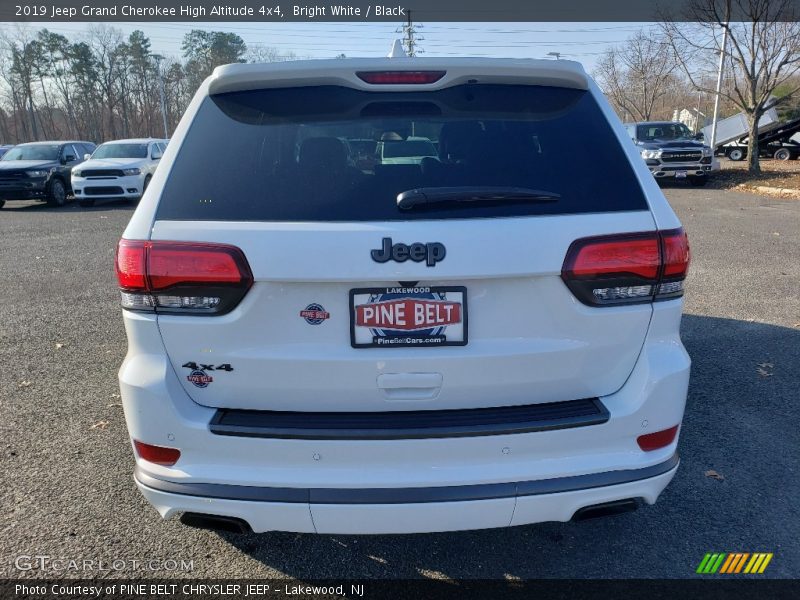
(158, 455)
(400, 77)
(627, 268)
(659, 439)
(181, 277)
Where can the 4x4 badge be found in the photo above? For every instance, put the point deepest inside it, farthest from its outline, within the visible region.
(431, 253)
(199, 377)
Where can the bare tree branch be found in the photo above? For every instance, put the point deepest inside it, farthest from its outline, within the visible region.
(763, 53)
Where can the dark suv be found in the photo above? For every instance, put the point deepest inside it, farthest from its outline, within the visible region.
(40, 171)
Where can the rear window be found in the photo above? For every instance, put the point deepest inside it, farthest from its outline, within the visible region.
(305, 154)
(408, 149)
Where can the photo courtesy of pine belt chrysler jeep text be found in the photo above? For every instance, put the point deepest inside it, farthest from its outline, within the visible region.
(322, 338)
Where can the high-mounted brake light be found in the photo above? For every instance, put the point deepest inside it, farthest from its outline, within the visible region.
(181, 277)
(159, 455)
(400, 77)
(627, 268)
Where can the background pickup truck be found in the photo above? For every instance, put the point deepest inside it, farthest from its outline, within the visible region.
(670, 150)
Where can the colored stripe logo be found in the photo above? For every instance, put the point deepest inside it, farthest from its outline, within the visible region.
(729, 563)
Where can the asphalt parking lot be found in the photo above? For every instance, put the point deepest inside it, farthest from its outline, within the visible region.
(66, 487)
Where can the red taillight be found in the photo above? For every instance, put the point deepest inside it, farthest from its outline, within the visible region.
(627, 268)
(636, 255)
(158, 455)
(130, 265)
(173, 263)
(676, 253)
(181, 277)
(400, 77)
(658, 439)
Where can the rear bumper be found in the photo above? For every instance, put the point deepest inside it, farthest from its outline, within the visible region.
(408, 510)
(445, 483)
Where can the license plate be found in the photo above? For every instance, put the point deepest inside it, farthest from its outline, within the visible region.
(680, 174)
(399, 317)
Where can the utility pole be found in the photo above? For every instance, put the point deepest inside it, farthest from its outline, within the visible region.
(697, 112)
(719, 86)
(158, 58)
(411, 37)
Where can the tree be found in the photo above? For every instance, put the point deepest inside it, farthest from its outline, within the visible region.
(762, 54)
(206, 50)
(102, 85)
(637, 74)
(83, 66)
(56, 55)
(141, 83)
(106, 43)
(789, 109)
(24, 53)
(268, 54)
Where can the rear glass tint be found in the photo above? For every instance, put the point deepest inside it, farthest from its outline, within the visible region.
(329, 153)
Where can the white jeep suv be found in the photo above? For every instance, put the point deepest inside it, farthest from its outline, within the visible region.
(486, 338)
(118, 169)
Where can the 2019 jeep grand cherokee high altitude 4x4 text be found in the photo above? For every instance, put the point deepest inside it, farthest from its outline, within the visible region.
(479, 339)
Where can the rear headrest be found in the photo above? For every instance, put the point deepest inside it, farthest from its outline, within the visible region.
(324, 153)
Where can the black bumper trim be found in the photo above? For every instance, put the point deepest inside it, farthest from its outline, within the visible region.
(459, 493)
(413, 424)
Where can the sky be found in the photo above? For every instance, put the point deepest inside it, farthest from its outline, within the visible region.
(583, 42)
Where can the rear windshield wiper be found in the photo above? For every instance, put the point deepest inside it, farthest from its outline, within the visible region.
(433, 195)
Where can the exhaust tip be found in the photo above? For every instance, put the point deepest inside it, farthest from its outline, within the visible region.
(216, 523)
(606, 509)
